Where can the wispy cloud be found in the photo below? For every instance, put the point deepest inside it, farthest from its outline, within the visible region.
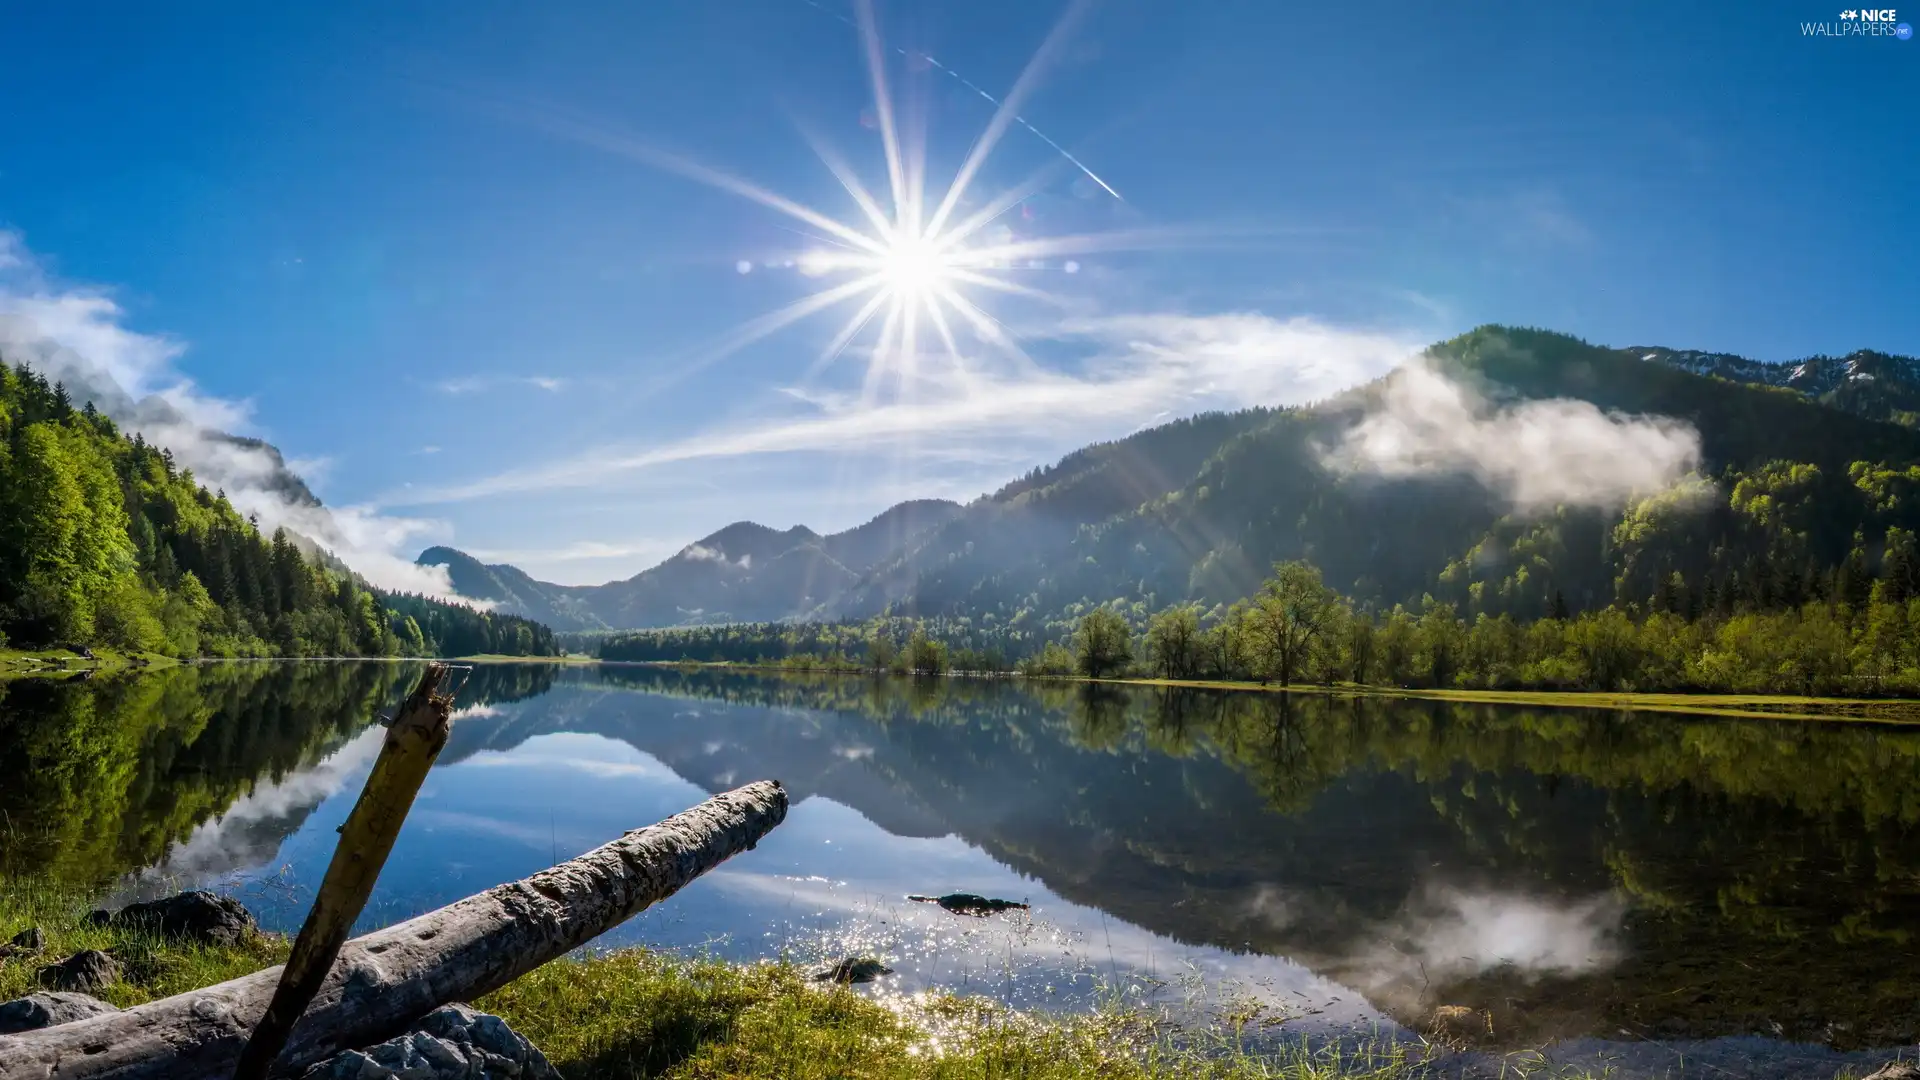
(579, 551)
(1137, 368)
(1535, 454)
(474, 384)
(77, 334)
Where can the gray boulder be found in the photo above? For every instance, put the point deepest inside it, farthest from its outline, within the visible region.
(452, 1042)
(208, 918)
(81, 973)
(36, 1011)
(27, 942)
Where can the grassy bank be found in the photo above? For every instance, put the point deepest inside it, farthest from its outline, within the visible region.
(636, 1013)
(58, 661)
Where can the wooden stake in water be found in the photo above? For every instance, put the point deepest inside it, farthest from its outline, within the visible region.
(413, 742)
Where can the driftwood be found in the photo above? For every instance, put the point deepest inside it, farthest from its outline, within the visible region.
(413, 742)
(389, 978)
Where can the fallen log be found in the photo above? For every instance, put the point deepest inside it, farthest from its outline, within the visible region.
(389, 978)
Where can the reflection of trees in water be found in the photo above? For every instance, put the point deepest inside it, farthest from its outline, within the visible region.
(97, 778)
(1772, 867)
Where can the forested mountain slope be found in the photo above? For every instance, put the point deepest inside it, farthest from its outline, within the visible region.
(1202, 509)
(104, 540)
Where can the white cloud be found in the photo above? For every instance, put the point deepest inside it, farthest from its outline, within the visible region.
(473, 384)
(77, 335)
(1535, 454)
(1140, 367)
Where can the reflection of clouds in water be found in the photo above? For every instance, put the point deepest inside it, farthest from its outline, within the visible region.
(594, 767)
(1471, 933)
(243, 837)
(1273, 906)
(1447, 934)
(477, 712)
(540, 837)
(853, 753)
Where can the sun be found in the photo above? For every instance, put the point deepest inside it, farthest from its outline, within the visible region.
(915, 270)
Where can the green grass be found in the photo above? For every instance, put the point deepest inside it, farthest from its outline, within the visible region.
(639, 1014)
(635, 1014)
(152, 967)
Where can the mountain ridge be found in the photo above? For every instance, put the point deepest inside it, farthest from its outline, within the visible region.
(744, 572)
(1201, 508)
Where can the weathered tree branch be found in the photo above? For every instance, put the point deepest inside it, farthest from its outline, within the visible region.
(413, 742)
(389, 978)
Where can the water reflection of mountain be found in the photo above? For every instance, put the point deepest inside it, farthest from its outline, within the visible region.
(1572, 873)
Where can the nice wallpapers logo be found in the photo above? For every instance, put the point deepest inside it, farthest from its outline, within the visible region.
(1861, 22)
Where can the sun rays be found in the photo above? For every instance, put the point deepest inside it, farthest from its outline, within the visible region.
(914, 272)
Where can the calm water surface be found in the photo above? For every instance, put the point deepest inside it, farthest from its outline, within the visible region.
(1641, 888)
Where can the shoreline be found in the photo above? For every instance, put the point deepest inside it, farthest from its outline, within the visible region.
(1899, 711)
(63, 663)
(635, 1011)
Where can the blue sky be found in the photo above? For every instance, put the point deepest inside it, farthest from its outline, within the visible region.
(441, 254)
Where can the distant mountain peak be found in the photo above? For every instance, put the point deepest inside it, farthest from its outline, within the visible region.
(745, 571)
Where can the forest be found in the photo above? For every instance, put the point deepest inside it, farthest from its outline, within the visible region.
(1846, 632)
(106, 541)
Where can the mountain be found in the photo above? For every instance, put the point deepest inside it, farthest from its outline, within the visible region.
(745, 572)
(1866, 383)
(1802, 468)
(1201, 509)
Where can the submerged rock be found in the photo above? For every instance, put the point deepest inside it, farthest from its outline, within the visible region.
(854, 970)
(453, 1042)
(1459, 1022)
(961, 903)
(36, 1011)
(204, 917)
(83, 972)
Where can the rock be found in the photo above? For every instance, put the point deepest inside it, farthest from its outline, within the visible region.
(204, 917)
(861, 970)
(27, 942)
(36, 1011)
(83, 972)
(1459, 1022)
(961, 903)
(452, 1042)
(1897, 1070)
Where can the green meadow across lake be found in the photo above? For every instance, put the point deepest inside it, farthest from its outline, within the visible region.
(1636, 891)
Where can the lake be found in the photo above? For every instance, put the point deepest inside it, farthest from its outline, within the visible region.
(1640, 887)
